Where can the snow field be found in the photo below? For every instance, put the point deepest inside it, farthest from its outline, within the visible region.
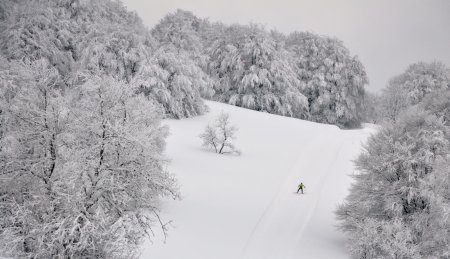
(245, 206)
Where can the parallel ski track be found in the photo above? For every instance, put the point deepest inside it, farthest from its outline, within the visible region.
(284, 191)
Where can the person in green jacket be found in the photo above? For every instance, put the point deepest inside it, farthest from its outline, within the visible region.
(301, 186)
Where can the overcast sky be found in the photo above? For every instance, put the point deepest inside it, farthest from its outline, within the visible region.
(387, 35)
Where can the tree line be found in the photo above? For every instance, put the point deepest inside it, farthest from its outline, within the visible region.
(82, 168)
(399, 204)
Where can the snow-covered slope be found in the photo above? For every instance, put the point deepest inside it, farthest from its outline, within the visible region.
(246, 206)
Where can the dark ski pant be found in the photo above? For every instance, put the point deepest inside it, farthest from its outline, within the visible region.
(300, 188)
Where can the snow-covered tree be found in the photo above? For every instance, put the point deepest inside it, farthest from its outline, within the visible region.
(438, 103)
(334, 80)
(422, 78)
(372, 109)
(180, 52)
(220, 135)
(176, 82)
(210, 138)
(436, 234)
(181, 30)
(396, 208)
(163, 71)
(30, 159)
(103, 33)
(393, 101)
(116, 51)
(101, 37)
(36, 30)
(81, 159)
(412, 86)
(82, 168)
(117, 162)
(253, 71)
(6, 8)
(116, 42)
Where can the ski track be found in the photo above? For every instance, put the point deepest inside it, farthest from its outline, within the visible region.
(312, 211)
(309, 143)
(263, 242)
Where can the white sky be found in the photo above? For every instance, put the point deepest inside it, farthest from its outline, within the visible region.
(387, 35)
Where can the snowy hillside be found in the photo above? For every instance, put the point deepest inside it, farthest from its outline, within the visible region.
(246, 206)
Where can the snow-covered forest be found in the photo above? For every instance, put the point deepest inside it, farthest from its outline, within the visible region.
(81, 151)
(399, 205)
(85, 89)
(184, 59)
(300, 75)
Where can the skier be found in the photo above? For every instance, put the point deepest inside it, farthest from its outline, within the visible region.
(301, 186)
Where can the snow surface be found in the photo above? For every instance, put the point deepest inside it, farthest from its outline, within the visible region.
(246, 206)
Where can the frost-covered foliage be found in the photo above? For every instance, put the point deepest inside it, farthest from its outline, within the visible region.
(372, 110)
(181, 30)
(393, 101)
(28, 155)
(438, 103)
(333, 79)
(422, 78)
(82, 168)
(312, 77)
(309, 77)
(102, 38)
(186, 33)
(253, 71)
(36, 30)
(5, 10)
(129, 52)
(180, 53)
(412, 86)
(398, 207)
(220, 135)
(176, 82)
(61, 30)
(118, 142)
(247, 65)
(118, 50)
